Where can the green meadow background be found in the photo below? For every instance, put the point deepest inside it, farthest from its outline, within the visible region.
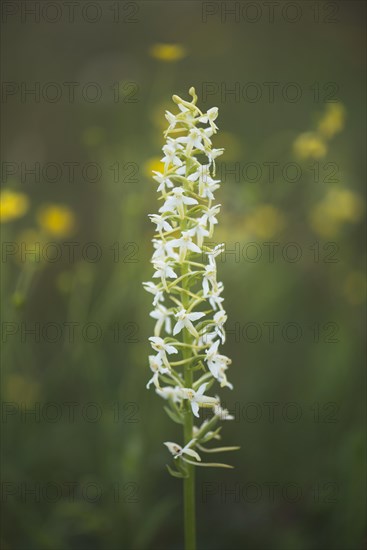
(86, 469)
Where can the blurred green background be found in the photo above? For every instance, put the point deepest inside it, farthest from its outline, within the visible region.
(298, 481)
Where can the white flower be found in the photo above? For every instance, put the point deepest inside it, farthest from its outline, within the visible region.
(162, 314)
(163, 250)
(172, 119)
(202, 173)
(200, 232)
(186, 116)
(212, 154)
(185, 321)
(214, 297)
(170, 153)
(159, 345)
(163, 181)
(219, 319)
(208, 132)
(210, 276)
(210, 358)
(176, 202)
(221, 376)
(156, 290)
(215, 252)
(193, 141)
(155, 364)
(207, 188)
(210, 117)
(218, 364)
(163, 270)
(206, 339)
(161, 223)
(222, 413)
(206, 183)
(210, 216)
(177, 450)
(198, 398)
(184, 244)
(169, 392)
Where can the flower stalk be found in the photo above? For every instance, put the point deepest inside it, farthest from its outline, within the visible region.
(188, 307)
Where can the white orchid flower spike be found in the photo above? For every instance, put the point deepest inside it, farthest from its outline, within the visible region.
(188, 309)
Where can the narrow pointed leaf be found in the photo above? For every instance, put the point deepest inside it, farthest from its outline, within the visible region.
(175, 473)
(173, 415)
(218, 449)
(209, 464)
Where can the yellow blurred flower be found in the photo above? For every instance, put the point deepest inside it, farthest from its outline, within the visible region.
(57, 220)
(265, 222)
(13, 205)
(333, 120)
(344, 205)
(337, 207)
(154, 163)
(168, 52)
(309, 145)
(355, 287)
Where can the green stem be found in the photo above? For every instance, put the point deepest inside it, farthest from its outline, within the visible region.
(189, 481)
